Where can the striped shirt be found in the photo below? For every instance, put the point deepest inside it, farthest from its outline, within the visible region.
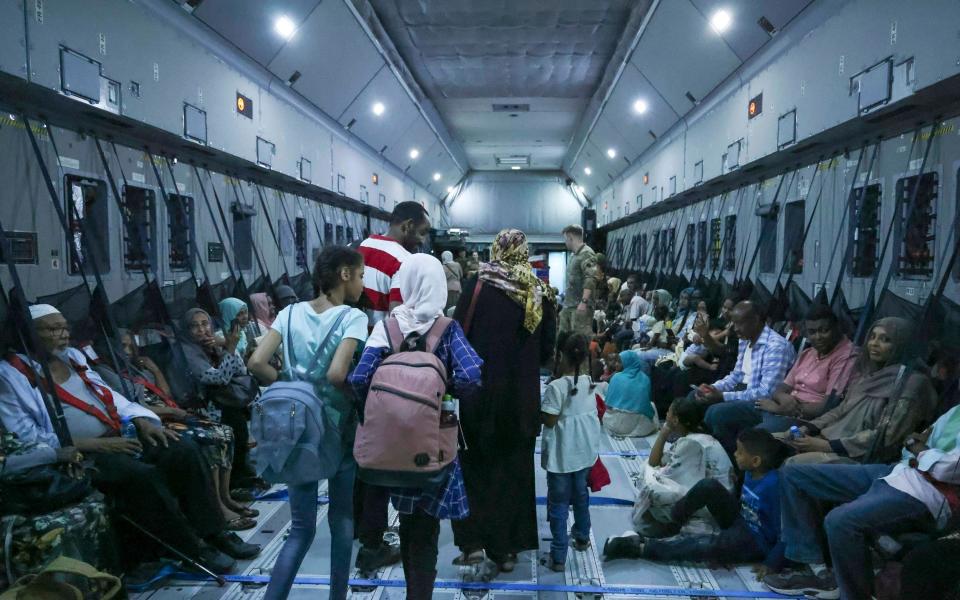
(382, 257)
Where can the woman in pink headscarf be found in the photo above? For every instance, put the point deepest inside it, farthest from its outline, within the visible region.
(263, 310)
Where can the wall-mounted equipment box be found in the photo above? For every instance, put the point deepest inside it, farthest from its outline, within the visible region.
(244, 106)
(194, 123)
(79, 75)
(787, 129)
(732, 160)
(265, 152)
(755, 106)
(873, 85)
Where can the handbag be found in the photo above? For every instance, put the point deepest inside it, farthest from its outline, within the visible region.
(65, 579)
(41, 490)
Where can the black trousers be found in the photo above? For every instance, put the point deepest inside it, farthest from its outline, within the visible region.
(370, 512)
(168, 492)
(931, 571)
(239, 420)
(419, 538)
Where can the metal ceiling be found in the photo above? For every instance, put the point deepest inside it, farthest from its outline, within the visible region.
(441, 65)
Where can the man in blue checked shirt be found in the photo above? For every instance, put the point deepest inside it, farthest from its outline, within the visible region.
(763, 359)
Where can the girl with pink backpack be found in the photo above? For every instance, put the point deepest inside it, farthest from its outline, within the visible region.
(423, 286)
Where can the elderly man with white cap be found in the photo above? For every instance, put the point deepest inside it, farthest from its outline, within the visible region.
(159, 479)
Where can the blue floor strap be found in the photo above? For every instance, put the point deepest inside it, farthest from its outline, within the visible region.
(509, 586)
(624, 453)
(283, 496)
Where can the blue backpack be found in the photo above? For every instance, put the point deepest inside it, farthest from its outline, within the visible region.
(297, 442)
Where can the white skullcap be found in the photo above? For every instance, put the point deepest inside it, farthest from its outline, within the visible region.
(41, 310)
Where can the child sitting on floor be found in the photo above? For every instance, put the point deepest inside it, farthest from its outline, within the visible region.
(674, 468)
(750, 526)
(571, 444)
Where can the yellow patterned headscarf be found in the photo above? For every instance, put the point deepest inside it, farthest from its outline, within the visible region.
(509, 269)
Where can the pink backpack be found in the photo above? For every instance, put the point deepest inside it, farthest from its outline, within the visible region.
(401, 442)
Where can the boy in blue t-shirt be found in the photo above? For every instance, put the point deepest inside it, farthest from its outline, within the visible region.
(750, 527)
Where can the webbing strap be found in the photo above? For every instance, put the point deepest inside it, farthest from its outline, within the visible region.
(273, 232)
(806, 229)
(242, 200)
(857, 205)
(761, 237)
(510, 586)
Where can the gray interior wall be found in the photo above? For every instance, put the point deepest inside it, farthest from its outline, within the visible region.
(823, 253)
(538, 203)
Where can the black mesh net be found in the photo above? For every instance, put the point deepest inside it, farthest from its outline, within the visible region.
(302, 284)
(180, 298)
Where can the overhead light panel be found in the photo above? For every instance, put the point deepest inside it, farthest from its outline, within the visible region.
(450, 189)
(611, 153)
(515, 168)
(640, 106)
(581, 189)
(513, 160)
(720, 21)
(378, 108)
(285, 27)
(437, 176)
(588, 170)
(414, 154)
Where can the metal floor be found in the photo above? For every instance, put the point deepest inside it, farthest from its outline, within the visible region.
(583, 568)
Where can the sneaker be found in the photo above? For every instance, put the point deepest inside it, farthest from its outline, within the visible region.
(624, 546)
(580, 545)
(370, 560)
(230, 544)
(803, 583)
(548, 562)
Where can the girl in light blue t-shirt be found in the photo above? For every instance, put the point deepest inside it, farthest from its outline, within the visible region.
(338, 274)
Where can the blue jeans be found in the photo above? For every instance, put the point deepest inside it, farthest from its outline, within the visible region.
(726, 420)
(564, 490)
(868, 508)
(303, 527)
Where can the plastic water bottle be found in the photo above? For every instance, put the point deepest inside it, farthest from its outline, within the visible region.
(795, 433)
(448, 411)
(129, 430)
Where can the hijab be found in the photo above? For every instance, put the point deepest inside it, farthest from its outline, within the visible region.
(629, 390)
(423, 287)
(879, 380)
(662, 297)
(229, 309)
(509, 270)
(446, 257)
(613, 286)
(261, 309)
(198, 358)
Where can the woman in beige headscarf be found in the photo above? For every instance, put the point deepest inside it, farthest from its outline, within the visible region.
(885, 402)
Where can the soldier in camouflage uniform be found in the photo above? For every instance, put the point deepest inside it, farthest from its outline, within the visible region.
(581, 291)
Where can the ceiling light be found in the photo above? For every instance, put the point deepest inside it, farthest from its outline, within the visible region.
(640, 106)
(436, 176)
(611, 153)
(378, 108)
(581, 189)
(720, 21)
(450, 189)
(285, 27)
(414, 153)
(515, 168)
(588, 170)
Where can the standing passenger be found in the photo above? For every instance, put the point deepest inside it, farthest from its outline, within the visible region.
(510, 317)
(424, 290)
(321, 326)
(382, 256)
(577, 313)
(454, 276)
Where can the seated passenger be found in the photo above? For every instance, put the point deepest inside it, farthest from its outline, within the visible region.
(285, 296)
(224, 384)
(673, 469)
(662, 340)
(763, 359)
(151, 390)
(919, 494)
(629, 409)
(821, 370)
(235, 313)
(78, 529)
(883, 395)
(263, 310)
(159, 479)
(749, 526)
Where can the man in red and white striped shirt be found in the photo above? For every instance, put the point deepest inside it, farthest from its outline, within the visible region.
(383, 255)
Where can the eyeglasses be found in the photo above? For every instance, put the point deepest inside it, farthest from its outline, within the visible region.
(56, 330)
